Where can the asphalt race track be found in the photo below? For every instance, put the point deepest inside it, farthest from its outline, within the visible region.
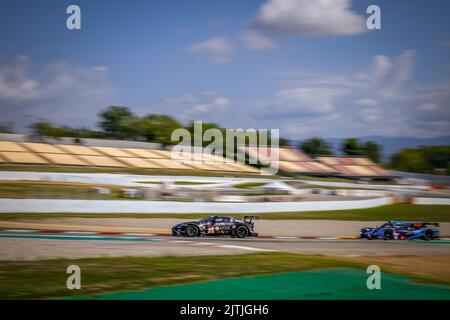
(33, 245)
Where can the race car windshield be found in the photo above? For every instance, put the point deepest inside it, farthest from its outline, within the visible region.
(207, 219)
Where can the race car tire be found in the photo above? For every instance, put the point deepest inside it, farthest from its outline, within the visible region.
(388, 234)
(428, 235)
(191, 231)
(241, 232)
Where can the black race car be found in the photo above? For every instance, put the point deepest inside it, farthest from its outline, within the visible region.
(217, 226)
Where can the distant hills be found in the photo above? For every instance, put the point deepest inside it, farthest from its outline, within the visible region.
(392, 144)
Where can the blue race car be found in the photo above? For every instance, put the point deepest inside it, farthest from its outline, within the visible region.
(398, 230)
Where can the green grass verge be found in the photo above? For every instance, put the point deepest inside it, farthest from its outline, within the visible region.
(407, 212)
(22, 189)
(329, 179)
(248, 185)
(343, 179)
(149, 182)
(47, 279)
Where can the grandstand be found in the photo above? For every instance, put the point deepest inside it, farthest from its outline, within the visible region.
(142, 153)
(355, 167)
(113, 152)
(12, 152)
(290, 161)
(30, 153)
(11, 147)
(79, 150)
(22, 158)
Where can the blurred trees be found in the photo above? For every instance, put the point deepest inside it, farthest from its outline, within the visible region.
(372, 150)
(6, 127)
(353, 147)
(45, 128)
(120, 123)
(315, 147)
(284, 142)
(429, 159)
(117, 122)
(156, 128)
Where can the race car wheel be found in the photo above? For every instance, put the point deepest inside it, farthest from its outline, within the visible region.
(191, 231)
(428, 235)
(388, 234)
(241, 232)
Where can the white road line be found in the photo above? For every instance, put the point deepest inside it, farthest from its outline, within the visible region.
(19, 230)
(204, 244)
(286, 237)
(244, 248)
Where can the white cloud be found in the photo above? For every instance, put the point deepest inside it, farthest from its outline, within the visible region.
(356, 104)
(201, 106)
(429, 107)
(371, 114)
(219, 49)
(305, 17)
(100, 69)
(15, 83)
(255, 41)
(366, 102)
(403, 72)
(382, 65)
(375, 74)
(215, 104)
(59, 92)
(310, 99)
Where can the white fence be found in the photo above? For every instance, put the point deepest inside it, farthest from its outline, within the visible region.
(125, 206)
(392, 187)
(441, 201)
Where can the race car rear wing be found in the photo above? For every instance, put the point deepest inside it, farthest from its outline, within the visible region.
(249, 219)
(424, 224)
(436, 224)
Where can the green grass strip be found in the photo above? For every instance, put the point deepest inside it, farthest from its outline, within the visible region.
(47, 278)
(324, 284)
(400, 211)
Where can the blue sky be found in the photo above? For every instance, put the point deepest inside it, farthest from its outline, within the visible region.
(309, 68)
